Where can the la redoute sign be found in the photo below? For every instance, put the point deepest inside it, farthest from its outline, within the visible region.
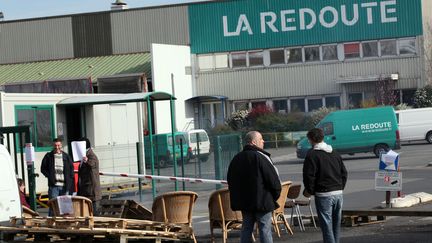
(250, 24)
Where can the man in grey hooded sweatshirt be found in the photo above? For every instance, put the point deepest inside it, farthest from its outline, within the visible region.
(325, 176)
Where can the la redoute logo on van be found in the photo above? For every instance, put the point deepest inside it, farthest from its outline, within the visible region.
(372, 127)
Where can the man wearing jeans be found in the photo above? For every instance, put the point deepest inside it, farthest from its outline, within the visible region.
(325, 176)
(254, 187)
(57, 167)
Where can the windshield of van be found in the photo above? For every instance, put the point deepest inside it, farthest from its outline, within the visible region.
(202, 137)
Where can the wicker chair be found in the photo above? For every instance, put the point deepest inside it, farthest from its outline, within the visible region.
(175, 208)
(82, 207)
(278, 216)
(221, 215)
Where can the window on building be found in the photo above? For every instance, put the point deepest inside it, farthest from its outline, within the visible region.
(40, 120)
(205, 62)
(258, 104)
(312, 54)
(294, 55)
(388, 47)
(277, 56)
(314, 104)
(240, 106)
(297, 105)
(370, 49)
(256, 58)
(329, 52)
(238, 59)
(408, 96)
(355, 100)
(280, 106)
(407, 46)
(398, 96)
(221, 60)
(352, 50)
(333, 101)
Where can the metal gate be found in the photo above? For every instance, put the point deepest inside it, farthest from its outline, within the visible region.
(15, 138)
(225, 148)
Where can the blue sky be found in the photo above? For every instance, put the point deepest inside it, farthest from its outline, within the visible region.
(24, 9)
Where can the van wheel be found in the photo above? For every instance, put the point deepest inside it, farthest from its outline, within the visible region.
(380, 148)
(429, 137)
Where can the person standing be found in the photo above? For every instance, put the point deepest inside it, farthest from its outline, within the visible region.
(88, 177)
(254, 187)
(57, 167)
(325, 176)
(21, 186)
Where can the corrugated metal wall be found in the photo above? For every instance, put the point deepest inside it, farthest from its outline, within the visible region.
(92, 35)
(36, 40)
(302, 80)
(134, 31)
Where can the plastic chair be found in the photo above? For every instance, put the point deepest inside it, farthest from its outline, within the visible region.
(293, 194)
(278, 216)
(175, 208)
(221, 215)
(303, 203)
(82, 207)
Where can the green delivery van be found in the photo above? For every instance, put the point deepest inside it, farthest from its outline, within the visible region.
(163, 149)
(358, 131)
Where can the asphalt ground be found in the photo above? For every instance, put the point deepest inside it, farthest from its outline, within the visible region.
(393, 229)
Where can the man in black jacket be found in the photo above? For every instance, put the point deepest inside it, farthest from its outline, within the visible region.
(57, 167)
(254, 187)
(325, 176)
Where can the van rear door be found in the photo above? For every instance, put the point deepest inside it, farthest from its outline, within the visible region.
(10, 204)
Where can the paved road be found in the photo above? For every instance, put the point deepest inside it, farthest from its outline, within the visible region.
(359, 194)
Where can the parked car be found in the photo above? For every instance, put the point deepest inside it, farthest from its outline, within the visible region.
(415, 124)
(357, 131)
(198, 138)
(163, 149)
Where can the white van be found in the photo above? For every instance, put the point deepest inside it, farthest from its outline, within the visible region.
(10, 204)
(198, 138)
(415, 124)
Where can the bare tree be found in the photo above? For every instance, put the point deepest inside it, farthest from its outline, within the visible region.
(384, 92)
(427, 38)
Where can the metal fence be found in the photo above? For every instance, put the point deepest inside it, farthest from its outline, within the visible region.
(224, 147)
(123, 159)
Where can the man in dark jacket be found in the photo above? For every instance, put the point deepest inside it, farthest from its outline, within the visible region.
(57, 167)
(88, 177)
(254, 187)
(325, 176)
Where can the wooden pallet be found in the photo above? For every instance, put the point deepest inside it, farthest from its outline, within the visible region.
(129, 209)
(361, 217)
(120, 230)
(357, 220)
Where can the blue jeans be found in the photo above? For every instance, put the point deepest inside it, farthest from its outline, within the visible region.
(53, 192)
(329, 210)
(264, 225)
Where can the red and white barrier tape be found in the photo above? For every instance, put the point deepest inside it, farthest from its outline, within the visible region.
(167, 178)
